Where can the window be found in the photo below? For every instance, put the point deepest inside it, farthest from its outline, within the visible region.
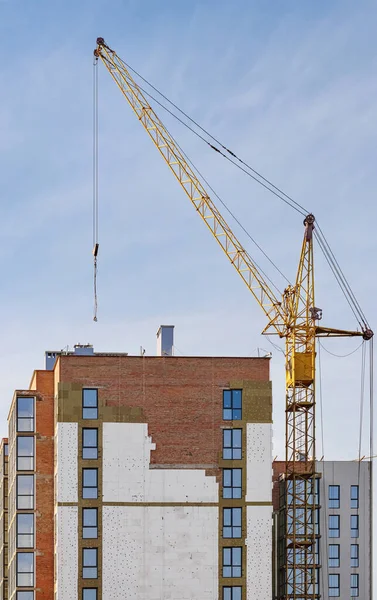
(232, 444)
(354, 526)
(25, 595)
(334, 584)
(89, 404)
(89, 523)
(316, 520)
(232, 593)
(232, 526)
(334, 555)
(334, 496)
(232, 562)
(232, 483)
(6, 449)
(316, 551)
(316, 490)
(90, 443)
(354, 555)
(89, 483)
(354, 585)
(25, 569)
(89, 563)
(89, 594)
(232, 405)
(354, 496)
(25, 453)
(25, 413)
(25, 492)
(334, 526)
(25, 530)
(313, 490)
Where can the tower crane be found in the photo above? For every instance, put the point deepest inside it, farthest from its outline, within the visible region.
(294, 317)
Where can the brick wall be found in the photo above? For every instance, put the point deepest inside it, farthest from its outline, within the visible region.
(181, 398)
(44, 386)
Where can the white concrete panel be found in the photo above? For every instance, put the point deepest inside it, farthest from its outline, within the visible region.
(67, 552)
(160, 553)
(67, 443)
(259, 462)
(127, 477)
(259, 553)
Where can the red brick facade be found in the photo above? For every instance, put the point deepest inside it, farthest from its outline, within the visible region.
(44, 484)
(181, 398)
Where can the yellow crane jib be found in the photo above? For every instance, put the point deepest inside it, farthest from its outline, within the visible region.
(294, 317)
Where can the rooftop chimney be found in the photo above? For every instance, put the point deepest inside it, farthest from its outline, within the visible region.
(165, 340)
(50, 358)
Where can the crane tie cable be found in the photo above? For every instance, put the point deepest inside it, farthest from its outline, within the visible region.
(232, 157)
(267, 184)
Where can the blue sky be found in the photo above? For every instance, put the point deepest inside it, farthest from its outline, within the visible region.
(289, 86)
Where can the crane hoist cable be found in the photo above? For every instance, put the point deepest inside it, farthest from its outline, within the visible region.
(95, 186)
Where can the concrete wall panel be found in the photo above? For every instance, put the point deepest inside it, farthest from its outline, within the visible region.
(259, 552)
(67, 462)
(150, 553)
(259, 462)
(67, 553)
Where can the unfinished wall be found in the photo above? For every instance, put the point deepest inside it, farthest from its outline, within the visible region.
(168, 552)
(128, 478)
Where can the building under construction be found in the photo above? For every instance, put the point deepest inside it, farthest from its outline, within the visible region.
(343, 528)
(138, 477)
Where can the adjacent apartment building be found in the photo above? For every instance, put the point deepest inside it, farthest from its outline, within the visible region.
(140, 478)
(342, 521)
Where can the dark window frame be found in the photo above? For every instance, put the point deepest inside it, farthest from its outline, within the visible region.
(334, 587)
(233, 489)
(90, 487)
(355, 529)
(87, 527)
(25, 572)
(89, 566)
(18, 495)
(32, 535)
(354, 500)
(235, 452)
(232, 589)
(20, 595)
(89, 447)
(355, 587)
(331, 517)
(336, 559)
(235, 569)
(19, 419)
(334, 498)
(232, 527)
(354, 560)
(91, 589)
(87, 406)
(18, 456)
(236, 411)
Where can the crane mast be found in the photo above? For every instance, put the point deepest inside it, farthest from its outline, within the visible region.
(293, 317)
